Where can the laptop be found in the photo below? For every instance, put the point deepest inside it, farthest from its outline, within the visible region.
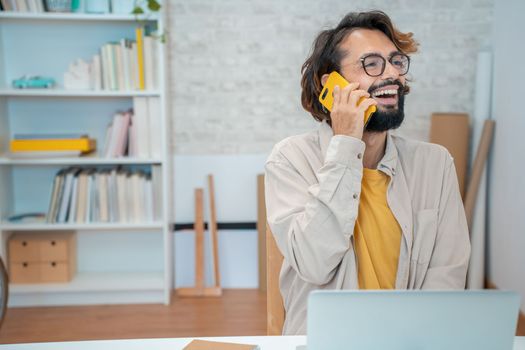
(412, 320)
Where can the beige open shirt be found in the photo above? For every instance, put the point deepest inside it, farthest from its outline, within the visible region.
(313, 183)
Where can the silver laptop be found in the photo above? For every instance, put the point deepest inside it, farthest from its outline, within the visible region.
(412, 320)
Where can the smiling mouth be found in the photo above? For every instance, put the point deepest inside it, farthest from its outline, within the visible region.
(387, 97)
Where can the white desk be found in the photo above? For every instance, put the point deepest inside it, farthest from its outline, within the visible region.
(266, 343)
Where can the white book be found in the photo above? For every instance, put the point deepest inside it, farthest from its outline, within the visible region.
(105, 67)
(113, 66)
(40, 5)
(131, 200)
(32, 6)
(148, 62)
(89, 198)
(103, 197)
(136, 199)
(125, 64)
(107, 140)
(155, 127)
(141, 125)
(66, 197)
(132, 65)
(13, 5)
(96, 73)
(111, 148)
(122, 196)
(156, 179)
(148, 189)
(134, 55)
(82, 196)
(95, 198)
(22, 6)
(72, 215)
(156, 64)
(119, 64)
(113, 196)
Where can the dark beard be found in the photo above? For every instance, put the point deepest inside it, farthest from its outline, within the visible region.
(390, 118)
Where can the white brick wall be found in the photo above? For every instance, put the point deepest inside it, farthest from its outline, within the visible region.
(235, 65)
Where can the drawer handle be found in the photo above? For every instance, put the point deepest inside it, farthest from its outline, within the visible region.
(53, 243)
(24, 264)
(53, 264)
(24, 243)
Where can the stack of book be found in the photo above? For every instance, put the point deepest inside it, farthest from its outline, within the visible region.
(51, 144)
(137, 132)
(23, 5)
(127, 65)
(105, 195)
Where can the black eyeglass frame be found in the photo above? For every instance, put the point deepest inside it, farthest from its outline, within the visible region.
(397, 54)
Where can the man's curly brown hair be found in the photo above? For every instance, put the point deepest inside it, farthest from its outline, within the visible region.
(326, 55)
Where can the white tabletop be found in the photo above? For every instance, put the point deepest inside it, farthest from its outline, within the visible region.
(265, 343)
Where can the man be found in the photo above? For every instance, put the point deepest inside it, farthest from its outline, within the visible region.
(351, 206)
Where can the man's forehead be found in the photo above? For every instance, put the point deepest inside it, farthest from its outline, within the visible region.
(363, 41)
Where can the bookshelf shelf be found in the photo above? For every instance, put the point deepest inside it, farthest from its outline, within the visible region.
(79, 161)
(8, 226)
(18, 16)
(112, 256)
(92, 288)
(74, 93)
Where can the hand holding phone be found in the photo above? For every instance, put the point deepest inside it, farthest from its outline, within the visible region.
(327, 98)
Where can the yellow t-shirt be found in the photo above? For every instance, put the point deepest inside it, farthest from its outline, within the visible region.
(377, 234)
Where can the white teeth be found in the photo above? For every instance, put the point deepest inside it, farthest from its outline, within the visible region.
(384, 92)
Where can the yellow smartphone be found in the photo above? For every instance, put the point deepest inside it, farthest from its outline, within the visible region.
(327, 98)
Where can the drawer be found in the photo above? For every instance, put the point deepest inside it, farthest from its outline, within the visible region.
(40, 272)
(24, 272)
(54, 250)
(24, 250)
(55, 272)
(42, 247)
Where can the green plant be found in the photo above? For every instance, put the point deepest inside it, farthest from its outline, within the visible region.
(140, 14)
(151, 5)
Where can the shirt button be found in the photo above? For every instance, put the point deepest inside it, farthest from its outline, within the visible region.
(355, 195)
(359, 155)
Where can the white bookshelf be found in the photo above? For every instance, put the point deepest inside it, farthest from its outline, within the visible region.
(6, 160)
(74, 93)
(49, 16)
(7, 226)
(128, 262)
(92, 288)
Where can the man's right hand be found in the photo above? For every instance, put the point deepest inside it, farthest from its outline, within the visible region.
(347, 117)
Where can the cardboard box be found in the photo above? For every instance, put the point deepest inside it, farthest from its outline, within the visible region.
(42, 257)
(452, 130)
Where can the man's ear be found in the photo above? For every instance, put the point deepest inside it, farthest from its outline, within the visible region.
(324, 78)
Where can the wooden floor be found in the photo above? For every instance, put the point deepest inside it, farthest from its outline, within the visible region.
(237, 312)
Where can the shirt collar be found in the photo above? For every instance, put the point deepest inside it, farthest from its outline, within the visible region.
(387, 164)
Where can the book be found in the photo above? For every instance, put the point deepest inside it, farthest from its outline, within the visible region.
(141, 125)
(48, 136)
(81, 144)
(149, 62)
(72, 214)
(82, 197)
(67, 194)
(139, 32)
(155, 127)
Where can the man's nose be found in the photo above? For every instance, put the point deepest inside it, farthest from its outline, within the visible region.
(390, 72)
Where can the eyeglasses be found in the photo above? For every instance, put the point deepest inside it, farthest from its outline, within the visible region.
(374, 64)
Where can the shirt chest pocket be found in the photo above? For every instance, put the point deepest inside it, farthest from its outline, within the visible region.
(425, 231)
